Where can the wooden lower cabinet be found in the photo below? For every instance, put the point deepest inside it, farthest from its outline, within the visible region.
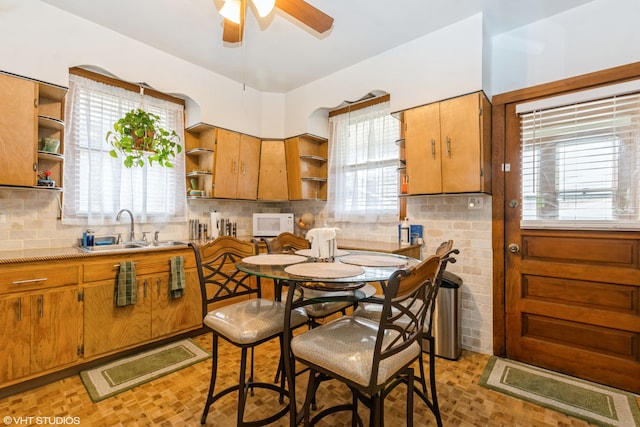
(15, 335)
(155, 315)
(41, 317)
(107, 327)
(59, 314)
(169, 315)
(40, 332)
(56, 319)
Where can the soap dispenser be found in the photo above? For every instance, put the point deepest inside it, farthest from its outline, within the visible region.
(404, 232)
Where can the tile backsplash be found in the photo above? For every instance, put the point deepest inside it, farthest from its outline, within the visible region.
(29, 220)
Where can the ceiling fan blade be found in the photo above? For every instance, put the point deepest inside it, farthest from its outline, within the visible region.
(306, 14)
(232, 32)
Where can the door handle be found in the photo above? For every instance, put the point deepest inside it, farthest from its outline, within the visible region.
(448, 147)
(513, 248)
(433, 148)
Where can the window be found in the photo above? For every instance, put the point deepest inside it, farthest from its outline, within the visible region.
(580, 164)
(363, 162)
(97, 186)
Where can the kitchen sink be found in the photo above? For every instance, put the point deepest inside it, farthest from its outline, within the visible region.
(107, 248)
(131, 245)
(167, 243)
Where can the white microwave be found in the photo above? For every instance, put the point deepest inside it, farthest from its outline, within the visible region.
(272, 224)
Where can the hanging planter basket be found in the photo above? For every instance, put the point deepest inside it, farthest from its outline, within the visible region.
(139, 139)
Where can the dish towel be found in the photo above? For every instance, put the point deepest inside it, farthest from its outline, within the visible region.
(177, 277)
(323, 242)
(126, 288)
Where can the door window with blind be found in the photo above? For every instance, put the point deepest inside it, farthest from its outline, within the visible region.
(97, 185)
(363, 161)
(581, 164)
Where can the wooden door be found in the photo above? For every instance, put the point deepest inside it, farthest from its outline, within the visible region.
(15, 336)
(18, 131)
(248, 166)
(55, 328)
(108, 328)
(572, 297)
(272, 179)
(225, 175)
(460, 141)
(173, 315)
(422, 149)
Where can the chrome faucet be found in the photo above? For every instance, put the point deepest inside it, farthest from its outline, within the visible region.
(132, 234)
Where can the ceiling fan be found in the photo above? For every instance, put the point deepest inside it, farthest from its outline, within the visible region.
(234, 12)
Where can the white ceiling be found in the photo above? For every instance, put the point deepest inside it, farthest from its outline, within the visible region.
(279, 53)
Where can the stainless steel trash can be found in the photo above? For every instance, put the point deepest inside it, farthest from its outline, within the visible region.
(446, 318)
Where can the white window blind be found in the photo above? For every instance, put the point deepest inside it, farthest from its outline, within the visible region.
(96, 185)
(363, 161)
(581, 163)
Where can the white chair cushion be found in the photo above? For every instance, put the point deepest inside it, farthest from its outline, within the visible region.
(252, 320)
(346, 345)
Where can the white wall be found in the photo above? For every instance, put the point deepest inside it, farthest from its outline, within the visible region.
(598, 35)
(43, 42)
(437, 66)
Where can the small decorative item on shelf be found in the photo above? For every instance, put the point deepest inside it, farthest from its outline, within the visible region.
(50, 145)
(138, 137)
(46, 181)
(305, 222)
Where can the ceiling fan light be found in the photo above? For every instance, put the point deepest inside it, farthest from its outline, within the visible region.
(231, 10)
(264, 7)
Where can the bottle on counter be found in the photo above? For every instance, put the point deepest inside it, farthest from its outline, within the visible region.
(405, 232)
(90, 238)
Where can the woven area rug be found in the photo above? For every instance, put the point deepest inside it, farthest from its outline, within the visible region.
(589, 401)
(115, 377)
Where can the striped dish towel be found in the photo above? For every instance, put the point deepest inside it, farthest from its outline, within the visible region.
(126, 287)
(177, 277)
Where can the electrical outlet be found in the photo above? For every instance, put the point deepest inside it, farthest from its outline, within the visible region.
(474, 203)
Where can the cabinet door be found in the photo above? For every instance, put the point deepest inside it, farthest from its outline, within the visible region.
(461, 142)
(173, 315)
(422, 149)
(272, 182)
(226, 164)
(249, 164)
(18, 131)
(107, 327)
(56, 318)
(15, 336)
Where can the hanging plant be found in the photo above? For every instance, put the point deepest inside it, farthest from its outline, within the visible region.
(138, 137)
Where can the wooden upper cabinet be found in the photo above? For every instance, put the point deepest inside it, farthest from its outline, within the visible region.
(448, 146)
(272, 180)
(31, 113)
(248, 167)
(18, 131)
(307, 158)
(422, 149)
(237, 158)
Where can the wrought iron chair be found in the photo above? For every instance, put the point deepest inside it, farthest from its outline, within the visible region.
(380, 352)
(240, 316)
(373, 310)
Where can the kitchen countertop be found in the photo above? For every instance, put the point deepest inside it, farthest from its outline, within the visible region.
(367, 245)
(51, 254)
(19, 256)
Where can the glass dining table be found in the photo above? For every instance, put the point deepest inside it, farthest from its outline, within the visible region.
(349, 276)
